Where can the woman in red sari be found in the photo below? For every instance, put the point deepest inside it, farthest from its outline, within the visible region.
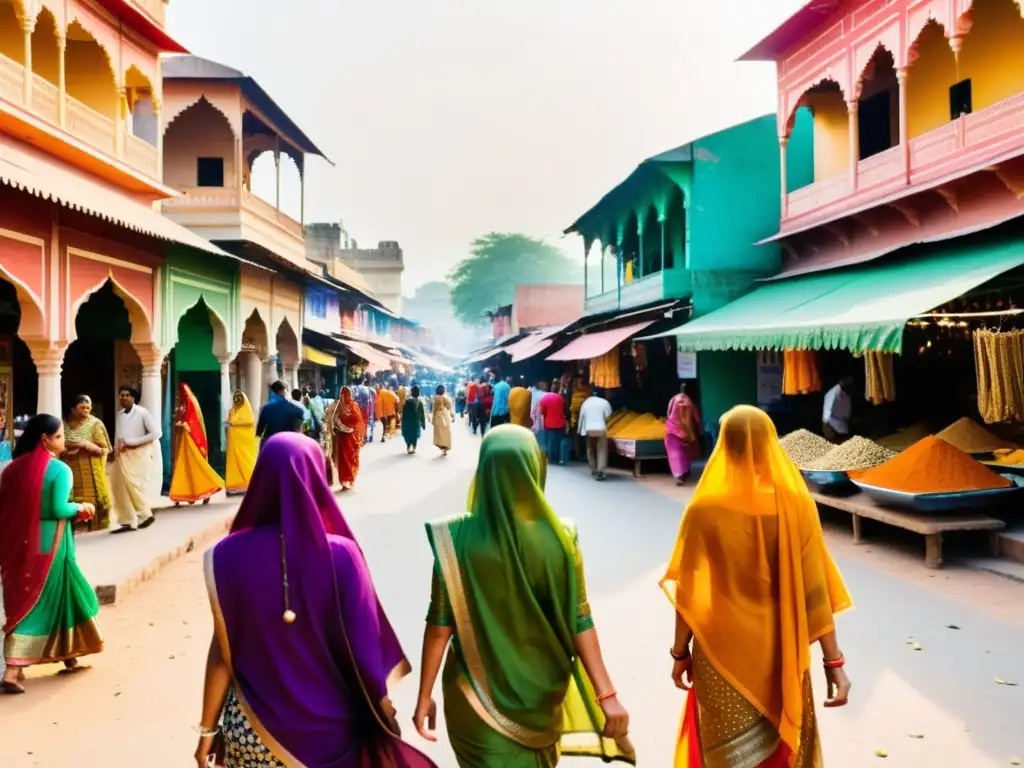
(193, 479)
(347, 438)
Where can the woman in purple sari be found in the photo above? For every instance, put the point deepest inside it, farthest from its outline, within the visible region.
(302, 655)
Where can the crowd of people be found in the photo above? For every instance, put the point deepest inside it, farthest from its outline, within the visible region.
(750, 580)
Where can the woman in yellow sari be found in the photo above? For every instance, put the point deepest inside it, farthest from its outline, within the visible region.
(88, 447)
(193, 479)
(753, 587)
(242, 444)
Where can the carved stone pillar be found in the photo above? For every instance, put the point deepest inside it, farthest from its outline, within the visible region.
(62, 98)
(48, 357)
(852, 111)
(901, 78)
(783, 141)
(28, 26)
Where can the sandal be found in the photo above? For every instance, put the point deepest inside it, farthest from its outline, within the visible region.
(8, 687)
(71, 666)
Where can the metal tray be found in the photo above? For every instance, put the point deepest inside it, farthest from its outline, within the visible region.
(827, 480)
(942, 502)
(1016, 470)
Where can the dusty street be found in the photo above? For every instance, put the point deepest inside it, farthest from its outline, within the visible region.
(937, 706)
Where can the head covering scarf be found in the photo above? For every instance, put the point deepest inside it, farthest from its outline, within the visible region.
(293, 676)
(241, 413)
(23, 567)
(190, 413)
(519, 651)
(750, 573)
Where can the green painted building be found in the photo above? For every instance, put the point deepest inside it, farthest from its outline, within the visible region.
(685, 225)
(202, 328)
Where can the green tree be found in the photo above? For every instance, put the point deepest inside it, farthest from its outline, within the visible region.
(498, 261)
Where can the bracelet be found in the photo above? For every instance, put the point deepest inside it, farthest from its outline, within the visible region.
(684, 656)
(835, 663)
(206, 733)
(605, 696)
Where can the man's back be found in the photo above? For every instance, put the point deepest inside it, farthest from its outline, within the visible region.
(278, 415)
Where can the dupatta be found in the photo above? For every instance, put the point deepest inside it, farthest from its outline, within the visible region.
(191, 414)
(290, 676)
(750, 573)
(525, 680)
(23, 566)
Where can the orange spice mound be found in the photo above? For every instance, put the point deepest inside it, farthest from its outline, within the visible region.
(932, 465)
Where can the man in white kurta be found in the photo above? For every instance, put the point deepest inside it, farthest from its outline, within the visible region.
(136, 463)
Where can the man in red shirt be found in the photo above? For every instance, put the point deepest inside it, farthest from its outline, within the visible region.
(551, 410)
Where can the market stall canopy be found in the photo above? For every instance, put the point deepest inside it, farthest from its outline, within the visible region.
(591, 345)
(533, 344)
(315, 356)
(501, 345)
(859, 308)
(376, 361)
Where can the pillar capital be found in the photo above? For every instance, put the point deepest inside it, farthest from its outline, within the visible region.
(902, 74)
(852, 106)
(150, 355)
(47, 355)
(28, 24)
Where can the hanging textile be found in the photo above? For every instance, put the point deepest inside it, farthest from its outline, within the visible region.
(879, 379)
(800, 375)
(604, 370)
(999, 364)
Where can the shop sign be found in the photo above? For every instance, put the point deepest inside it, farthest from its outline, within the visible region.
(686, 365)
(769, 378)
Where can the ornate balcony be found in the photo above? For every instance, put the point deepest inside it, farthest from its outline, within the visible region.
(968, 144)
(80, 121)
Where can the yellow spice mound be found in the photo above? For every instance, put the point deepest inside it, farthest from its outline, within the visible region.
(637, 426)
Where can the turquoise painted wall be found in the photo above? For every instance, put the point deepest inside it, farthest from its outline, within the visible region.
(734, 203)
(726, 379)
(800, 151)
(190, 276)
(194, 351)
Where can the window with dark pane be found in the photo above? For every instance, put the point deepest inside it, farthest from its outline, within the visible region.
(210, 172)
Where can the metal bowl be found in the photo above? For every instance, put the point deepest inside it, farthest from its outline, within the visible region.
(827, 480)
(942, 502)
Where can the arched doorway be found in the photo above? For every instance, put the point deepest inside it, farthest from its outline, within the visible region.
(199, 359)
(19, 393)
(100, 355)
(288, 353)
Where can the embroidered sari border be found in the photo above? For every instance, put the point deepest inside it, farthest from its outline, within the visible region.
(476, 686)
(221, 634)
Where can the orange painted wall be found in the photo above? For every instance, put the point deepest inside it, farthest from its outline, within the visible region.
(928, 82)
(12, 39)
(831, 134)
(45, 58)
(993, 52)
(89, 77)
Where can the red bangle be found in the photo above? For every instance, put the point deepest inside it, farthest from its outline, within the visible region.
(835, 663)
(605, 696)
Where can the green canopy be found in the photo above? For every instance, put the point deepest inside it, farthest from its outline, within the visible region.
(857, 308)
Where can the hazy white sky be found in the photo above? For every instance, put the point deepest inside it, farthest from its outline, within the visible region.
(450, 118)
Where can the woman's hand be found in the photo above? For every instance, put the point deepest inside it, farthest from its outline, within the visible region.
(204, 751)
(838, 687)
(425, 719)
(616, 723)
(86, 512)
(682, 674)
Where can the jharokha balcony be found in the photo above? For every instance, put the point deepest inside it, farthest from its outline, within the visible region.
(83, 92)
(973, 142)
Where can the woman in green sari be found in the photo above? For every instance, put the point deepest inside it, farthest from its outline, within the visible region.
(51, 608)
(525, 681)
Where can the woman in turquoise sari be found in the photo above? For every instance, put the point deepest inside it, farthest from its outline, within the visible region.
(51, 608)
(525, 682)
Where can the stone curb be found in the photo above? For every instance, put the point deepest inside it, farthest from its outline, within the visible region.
(109, 594)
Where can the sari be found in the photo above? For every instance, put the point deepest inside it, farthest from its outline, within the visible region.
(519, 402)
(310, 689)
(243, 447)
(344, 437)
(442, 418)
(193, 478)
(753, 580)
(508, 577)
(682, 435)
(51, 608)
(89, 472)
(414, 421)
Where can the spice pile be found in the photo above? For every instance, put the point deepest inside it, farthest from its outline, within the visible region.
(855, 453)
(804, 447)
(1010, 457)
(970, 437)
(900, 441)
(630, 425)
(932, 466)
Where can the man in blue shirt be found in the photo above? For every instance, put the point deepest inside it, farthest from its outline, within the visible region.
(499, 410)
(278, 414)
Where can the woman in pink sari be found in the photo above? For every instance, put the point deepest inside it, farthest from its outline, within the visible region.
(682, 434)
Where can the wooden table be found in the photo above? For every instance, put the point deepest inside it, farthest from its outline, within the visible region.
(932, 527)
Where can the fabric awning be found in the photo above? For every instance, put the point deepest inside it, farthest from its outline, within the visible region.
(32, 171)
(533, 344)
(591, 345)
(317, 357)
(859, 308)
(376, 361)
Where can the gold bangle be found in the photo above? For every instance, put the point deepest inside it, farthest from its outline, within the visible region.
(206, 733)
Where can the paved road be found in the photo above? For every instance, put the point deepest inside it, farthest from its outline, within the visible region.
(136, 707)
